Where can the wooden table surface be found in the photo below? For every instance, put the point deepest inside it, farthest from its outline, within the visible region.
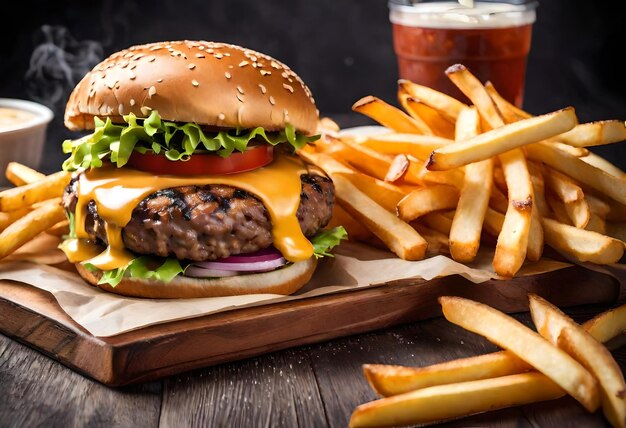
(313, 386)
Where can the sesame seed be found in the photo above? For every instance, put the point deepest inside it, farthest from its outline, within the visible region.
(120, 108)
(132, 102)
(218, 56)
(132, 76)
(228, 75)
(263, 88)
(275, 65)
(289, 88)
(145, 110)
(159, 80)
(221, 116)
(199, 55)
(152, 58)
(240, 90)
(239, 98)
(243, 63)
(253, 58)
(192, 66)
(265, 72)
(151, 91)
(272, 101)
(111, 85)
(226, 54)
(209, 50)
(255, 64)
(195, 83)
(284, 74)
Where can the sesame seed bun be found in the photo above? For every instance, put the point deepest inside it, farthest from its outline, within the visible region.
(207, 83)
(285, 281)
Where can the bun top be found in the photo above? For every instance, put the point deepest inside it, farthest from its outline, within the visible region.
(207, 83)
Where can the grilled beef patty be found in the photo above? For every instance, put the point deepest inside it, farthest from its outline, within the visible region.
(207, 222)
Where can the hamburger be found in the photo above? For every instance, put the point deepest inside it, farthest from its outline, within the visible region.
(187, 181)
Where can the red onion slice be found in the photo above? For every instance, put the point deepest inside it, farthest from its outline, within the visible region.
(263, 255)
(243, 267)
(198, 272)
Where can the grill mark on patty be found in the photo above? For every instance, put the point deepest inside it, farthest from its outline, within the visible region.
(207, 222)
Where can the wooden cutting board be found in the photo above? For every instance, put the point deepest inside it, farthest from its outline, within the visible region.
(32, 316)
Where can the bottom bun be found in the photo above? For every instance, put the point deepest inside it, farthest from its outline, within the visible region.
(286, 280)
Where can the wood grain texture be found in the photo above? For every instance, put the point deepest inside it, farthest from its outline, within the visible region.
(315, 385)
(34, 317)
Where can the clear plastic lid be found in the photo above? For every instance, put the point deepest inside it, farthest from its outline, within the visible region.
(451, 14)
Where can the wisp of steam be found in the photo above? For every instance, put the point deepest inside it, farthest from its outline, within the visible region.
(57, 65)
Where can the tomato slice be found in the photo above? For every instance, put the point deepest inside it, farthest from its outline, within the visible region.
(204, 164)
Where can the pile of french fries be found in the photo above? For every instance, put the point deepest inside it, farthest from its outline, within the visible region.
(449, 177)
(30, 208)
(561, 357)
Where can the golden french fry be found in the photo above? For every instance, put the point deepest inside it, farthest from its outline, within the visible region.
(534, 250)
(607, 325)
(439, 403)
(579, 152)
(398, 167)
(561, 330)
(498, 200)
(594, 134)
(356, 231)
(446, 105)
(389, 116)
(597, 205)
(10, 217)
(596, 224)
(437, 221)
(580, 244)
(493, 221)
(29, 226)
(451, 177)
(398, 235)
(502, 139)
(512, 243)
(603, 164)
(538, 182)
(509, 111)
(558, 211)
(438, 124)
(390, 380)
(526, 344)
(499, 180)
(60, 229)
(580, 171)
(427, 199)
(474, 197)
(420, 146)
(51, 186)
(562, 186)
(578, 213)
(437, 241)
(20, 174)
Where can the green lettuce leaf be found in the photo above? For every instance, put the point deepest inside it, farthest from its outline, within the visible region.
(176, 141)
(326, 240)
(146, 267)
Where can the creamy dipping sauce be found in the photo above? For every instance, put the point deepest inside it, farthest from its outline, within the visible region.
(12, 117)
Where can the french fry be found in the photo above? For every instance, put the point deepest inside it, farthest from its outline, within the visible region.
(398, 167)
(10, 217)
(594, 134)
(563, 187)
(559, 212)
(582, 245)
(420, 146)
(526, 344)
(439, 403)
(390, 116)
(427, 199)
(616, 230)
(534, 249)
(498, 200)
(20, 174)
(502, 139)
(448, 106)
(493, 221)
(437, 221)
(51, 186)
(451, 177)
(474, 197)
(512, 245)
(607, 325)
(438, 124)
(390, 380)
(561, 330)
(398, 235)
(579, 213)
(580, 171)
(579, 152)
(597, 205)
(510, 112)
(603, 164)
(356, 231)
(29, 226)
(596, 224)
(437, 241)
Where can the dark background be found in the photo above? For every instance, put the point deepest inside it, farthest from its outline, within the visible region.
(341, 48)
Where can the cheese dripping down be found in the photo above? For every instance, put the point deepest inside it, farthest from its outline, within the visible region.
(117, 191)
